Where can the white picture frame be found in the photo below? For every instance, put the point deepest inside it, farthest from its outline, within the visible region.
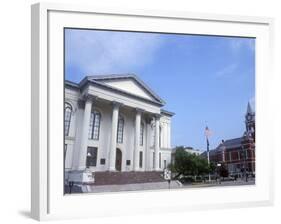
(47, 198)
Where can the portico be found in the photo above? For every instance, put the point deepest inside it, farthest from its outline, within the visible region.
(117, 126)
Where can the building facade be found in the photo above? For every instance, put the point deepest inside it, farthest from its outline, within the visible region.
(114, 123)
(238, 154)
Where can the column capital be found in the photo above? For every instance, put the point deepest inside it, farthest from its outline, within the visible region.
(148, 120)
(139, 110)
(157, 116)
(86, 97)
(116, 104)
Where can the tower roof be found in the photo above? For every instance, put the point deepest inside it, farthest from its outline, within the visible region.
(250, 109)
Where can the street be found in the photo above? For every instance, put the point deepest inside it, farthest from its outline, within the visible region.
(222, 184)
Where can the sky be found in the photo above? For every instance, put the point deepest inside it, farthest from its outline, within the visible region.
(204, 80)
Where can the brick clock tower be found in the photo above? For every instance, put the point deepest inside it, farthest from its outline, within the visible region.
(250, 122)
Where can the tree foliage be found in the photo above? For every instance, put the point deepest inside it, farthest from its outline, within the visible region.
(186, 163)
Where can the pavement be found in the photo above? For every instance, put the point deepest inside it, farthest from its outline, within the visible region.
(131, 187)
(155, 186)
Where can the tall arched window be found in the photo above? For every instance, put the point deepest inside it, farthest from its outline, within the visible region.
(94, 129)
(120, 130)
(141, 133)
(67, 118)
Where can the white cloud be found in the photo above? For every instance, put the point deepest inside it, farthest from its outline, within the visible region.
(96, 52)
(236, 44)
(226, 71)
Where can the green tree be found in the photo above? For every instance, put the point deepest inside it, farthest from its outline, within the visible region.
(188, 164)
(212, 167)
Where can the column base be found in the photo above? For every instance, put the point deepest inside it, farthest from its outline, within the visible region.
(112, 169)
(80, 168)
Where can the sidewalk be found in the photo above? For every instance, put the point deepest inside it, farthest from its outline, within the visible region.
(155, 186)
(130, 187)
(223, 183)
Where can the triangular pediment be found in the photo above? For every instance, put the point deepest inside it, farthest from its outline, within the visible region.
(129, 84)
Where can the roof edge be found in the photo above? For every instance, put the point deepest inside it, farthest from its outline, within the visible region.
(71, 84)
(166, 112)
(126, 76)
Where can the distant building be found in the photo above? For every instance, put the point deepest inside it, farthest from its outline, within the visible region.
(192, 150)
(238, 154)
(187, 149)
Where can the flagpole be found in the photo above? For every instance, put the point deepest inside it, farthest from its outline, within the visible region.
(207, 134)
(208, 155)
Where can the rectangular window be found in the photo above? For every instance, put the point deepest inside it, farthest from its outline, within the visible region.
(67, 118)
(92, 153)
(165, 164)
(128, 162)
(102, 161)
(65, 149)
(94, 127)
(141, 134)
(160, 137)
(140, 159)
(159, 159)
(234, 155)
(153, 136)
(120, 130)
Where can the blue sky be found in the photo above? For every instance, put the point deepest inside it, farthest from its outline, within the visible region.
(205, 80)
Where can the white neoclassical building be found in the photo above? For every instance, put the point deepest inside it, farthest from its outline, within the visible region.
(115, 123)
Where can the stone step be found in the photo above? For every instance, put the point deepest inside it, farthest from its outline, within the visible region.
(116, 178)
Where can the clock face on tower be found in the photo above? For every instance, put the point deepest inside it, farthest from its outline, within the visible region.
(249, 117)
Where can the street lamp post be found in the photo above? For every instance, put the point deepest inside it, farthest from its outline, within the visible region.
(218, 171)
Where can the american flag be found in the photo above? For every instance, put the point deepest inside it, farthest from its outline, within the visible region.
(207, 132)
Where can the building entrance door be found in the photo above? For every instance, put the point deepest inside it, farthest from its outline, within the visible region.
(118, 162)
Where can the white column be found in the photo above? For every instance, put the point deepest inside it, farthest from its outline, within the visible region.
(169, 135)
(148, 142)
(84, 133)
(137, 139)
(112, 153)
(157, 146)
